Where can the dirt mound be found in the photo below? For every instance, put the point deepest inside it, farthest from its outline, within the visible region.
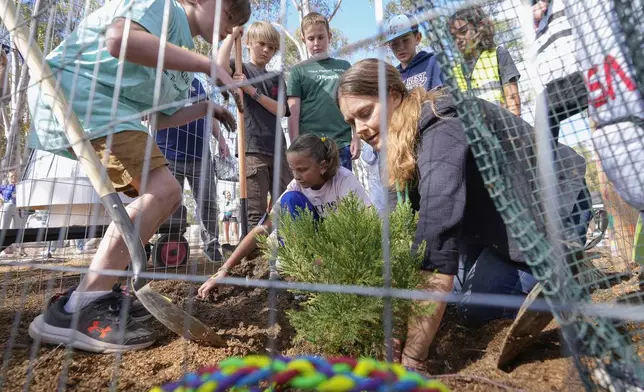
(466, 358)
(239, 314)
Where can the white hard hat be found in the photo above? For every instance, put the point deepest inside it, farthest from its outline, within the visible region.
(400, 25)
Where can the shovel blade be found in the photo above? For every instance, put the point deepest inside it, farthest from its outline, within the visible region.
(524, 330)
(175, 319)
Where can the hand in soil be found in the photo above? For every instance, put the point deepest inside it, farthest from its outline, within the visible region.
(210, 284)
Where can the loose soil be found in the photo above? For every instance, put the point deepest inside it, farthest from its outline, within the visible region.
(465, 357)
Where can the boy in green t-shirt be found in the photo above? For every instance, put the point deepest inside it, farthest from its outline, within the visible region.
(311, 90)
(112, 58)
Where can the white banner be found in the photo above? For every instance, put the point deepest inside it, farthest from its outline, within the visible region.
(607, 68)
(614, 99)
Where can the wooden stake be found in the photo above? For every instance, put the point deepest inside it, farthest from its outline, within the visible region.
(241, 143)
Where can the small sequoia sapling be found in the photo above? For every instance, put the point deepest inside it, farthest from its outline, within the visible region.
(346, 248)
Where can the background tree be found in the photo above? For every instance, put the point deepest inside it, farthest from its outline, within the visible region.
(49, 22)
(592, 175)
(295, 49)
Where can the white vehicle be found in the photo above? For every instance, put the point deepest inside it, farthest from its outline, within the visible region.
(58, 189)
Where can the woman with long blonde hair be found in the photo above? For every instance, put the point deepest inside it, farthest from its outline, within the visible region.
(429, 160)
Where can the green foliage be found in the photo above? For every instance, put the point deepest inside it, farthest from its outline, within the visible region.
(201, 46)
(345, 248)
(394, 8)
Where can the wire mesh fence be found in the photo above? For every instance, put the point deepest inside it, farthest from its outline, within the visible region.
(552, 112)
(563, 53)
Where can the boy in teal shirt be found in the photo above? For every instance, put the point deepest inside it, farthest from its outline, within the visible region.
(311, 91)
(108, 102)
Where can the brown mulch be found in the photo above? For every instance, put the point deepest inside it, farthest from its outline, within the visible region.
(241, 315)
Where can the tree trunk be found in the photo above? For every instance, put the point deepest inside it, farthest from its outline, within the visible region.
(5, 89)
(301, 48)
(306, 8)
(19, 91)
(19, 83)
(335, 10)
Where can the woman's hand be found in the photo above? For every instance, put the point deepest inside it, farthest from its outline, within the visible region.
(210, 284)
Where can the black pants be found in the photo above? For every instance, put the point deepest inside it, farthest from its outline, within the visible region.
(565, 98)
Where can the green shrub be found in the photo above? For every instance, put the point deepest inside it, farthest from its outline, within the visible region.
(345, 248)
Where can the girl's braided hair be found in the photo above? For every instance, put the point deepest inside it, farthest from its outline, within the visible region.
(322, 149)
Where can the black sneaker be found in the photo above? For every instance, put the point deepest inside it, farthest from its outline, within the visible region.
(97, 330)
(213, 254)
(137, 311)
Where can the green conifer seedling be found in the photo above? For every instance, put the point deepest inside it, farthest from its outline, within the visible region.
(346, 248)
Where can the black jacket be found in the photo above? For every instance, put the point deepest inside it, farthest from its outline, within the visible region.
(454, 206)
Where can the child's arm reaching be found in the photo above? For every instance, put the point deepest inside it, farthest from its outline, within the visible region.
(294, 104)
(267, 102)
(193, 112)
(143, 48)
(294, 92)
(245, 247)
(222, 146)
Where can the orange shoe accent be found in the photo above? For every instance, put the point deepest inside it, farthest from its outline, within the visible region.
(96, 327)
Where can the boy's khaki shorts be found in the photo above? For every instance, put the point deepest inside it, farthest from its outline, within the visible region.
(126, 157)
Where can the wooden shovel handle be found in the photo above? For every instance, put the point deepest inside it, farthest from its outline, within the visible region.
(241, 128)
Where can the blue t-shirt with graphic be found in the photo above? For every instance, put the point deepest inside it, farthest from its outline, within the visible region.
(184, 143)
(89, 76)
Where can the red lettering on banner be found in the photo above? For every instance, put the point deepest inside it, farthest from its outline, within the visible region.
(596, 86)
(611, 66)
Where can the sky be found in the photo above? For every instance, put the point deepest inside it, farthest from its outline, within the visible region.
(356, 19)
